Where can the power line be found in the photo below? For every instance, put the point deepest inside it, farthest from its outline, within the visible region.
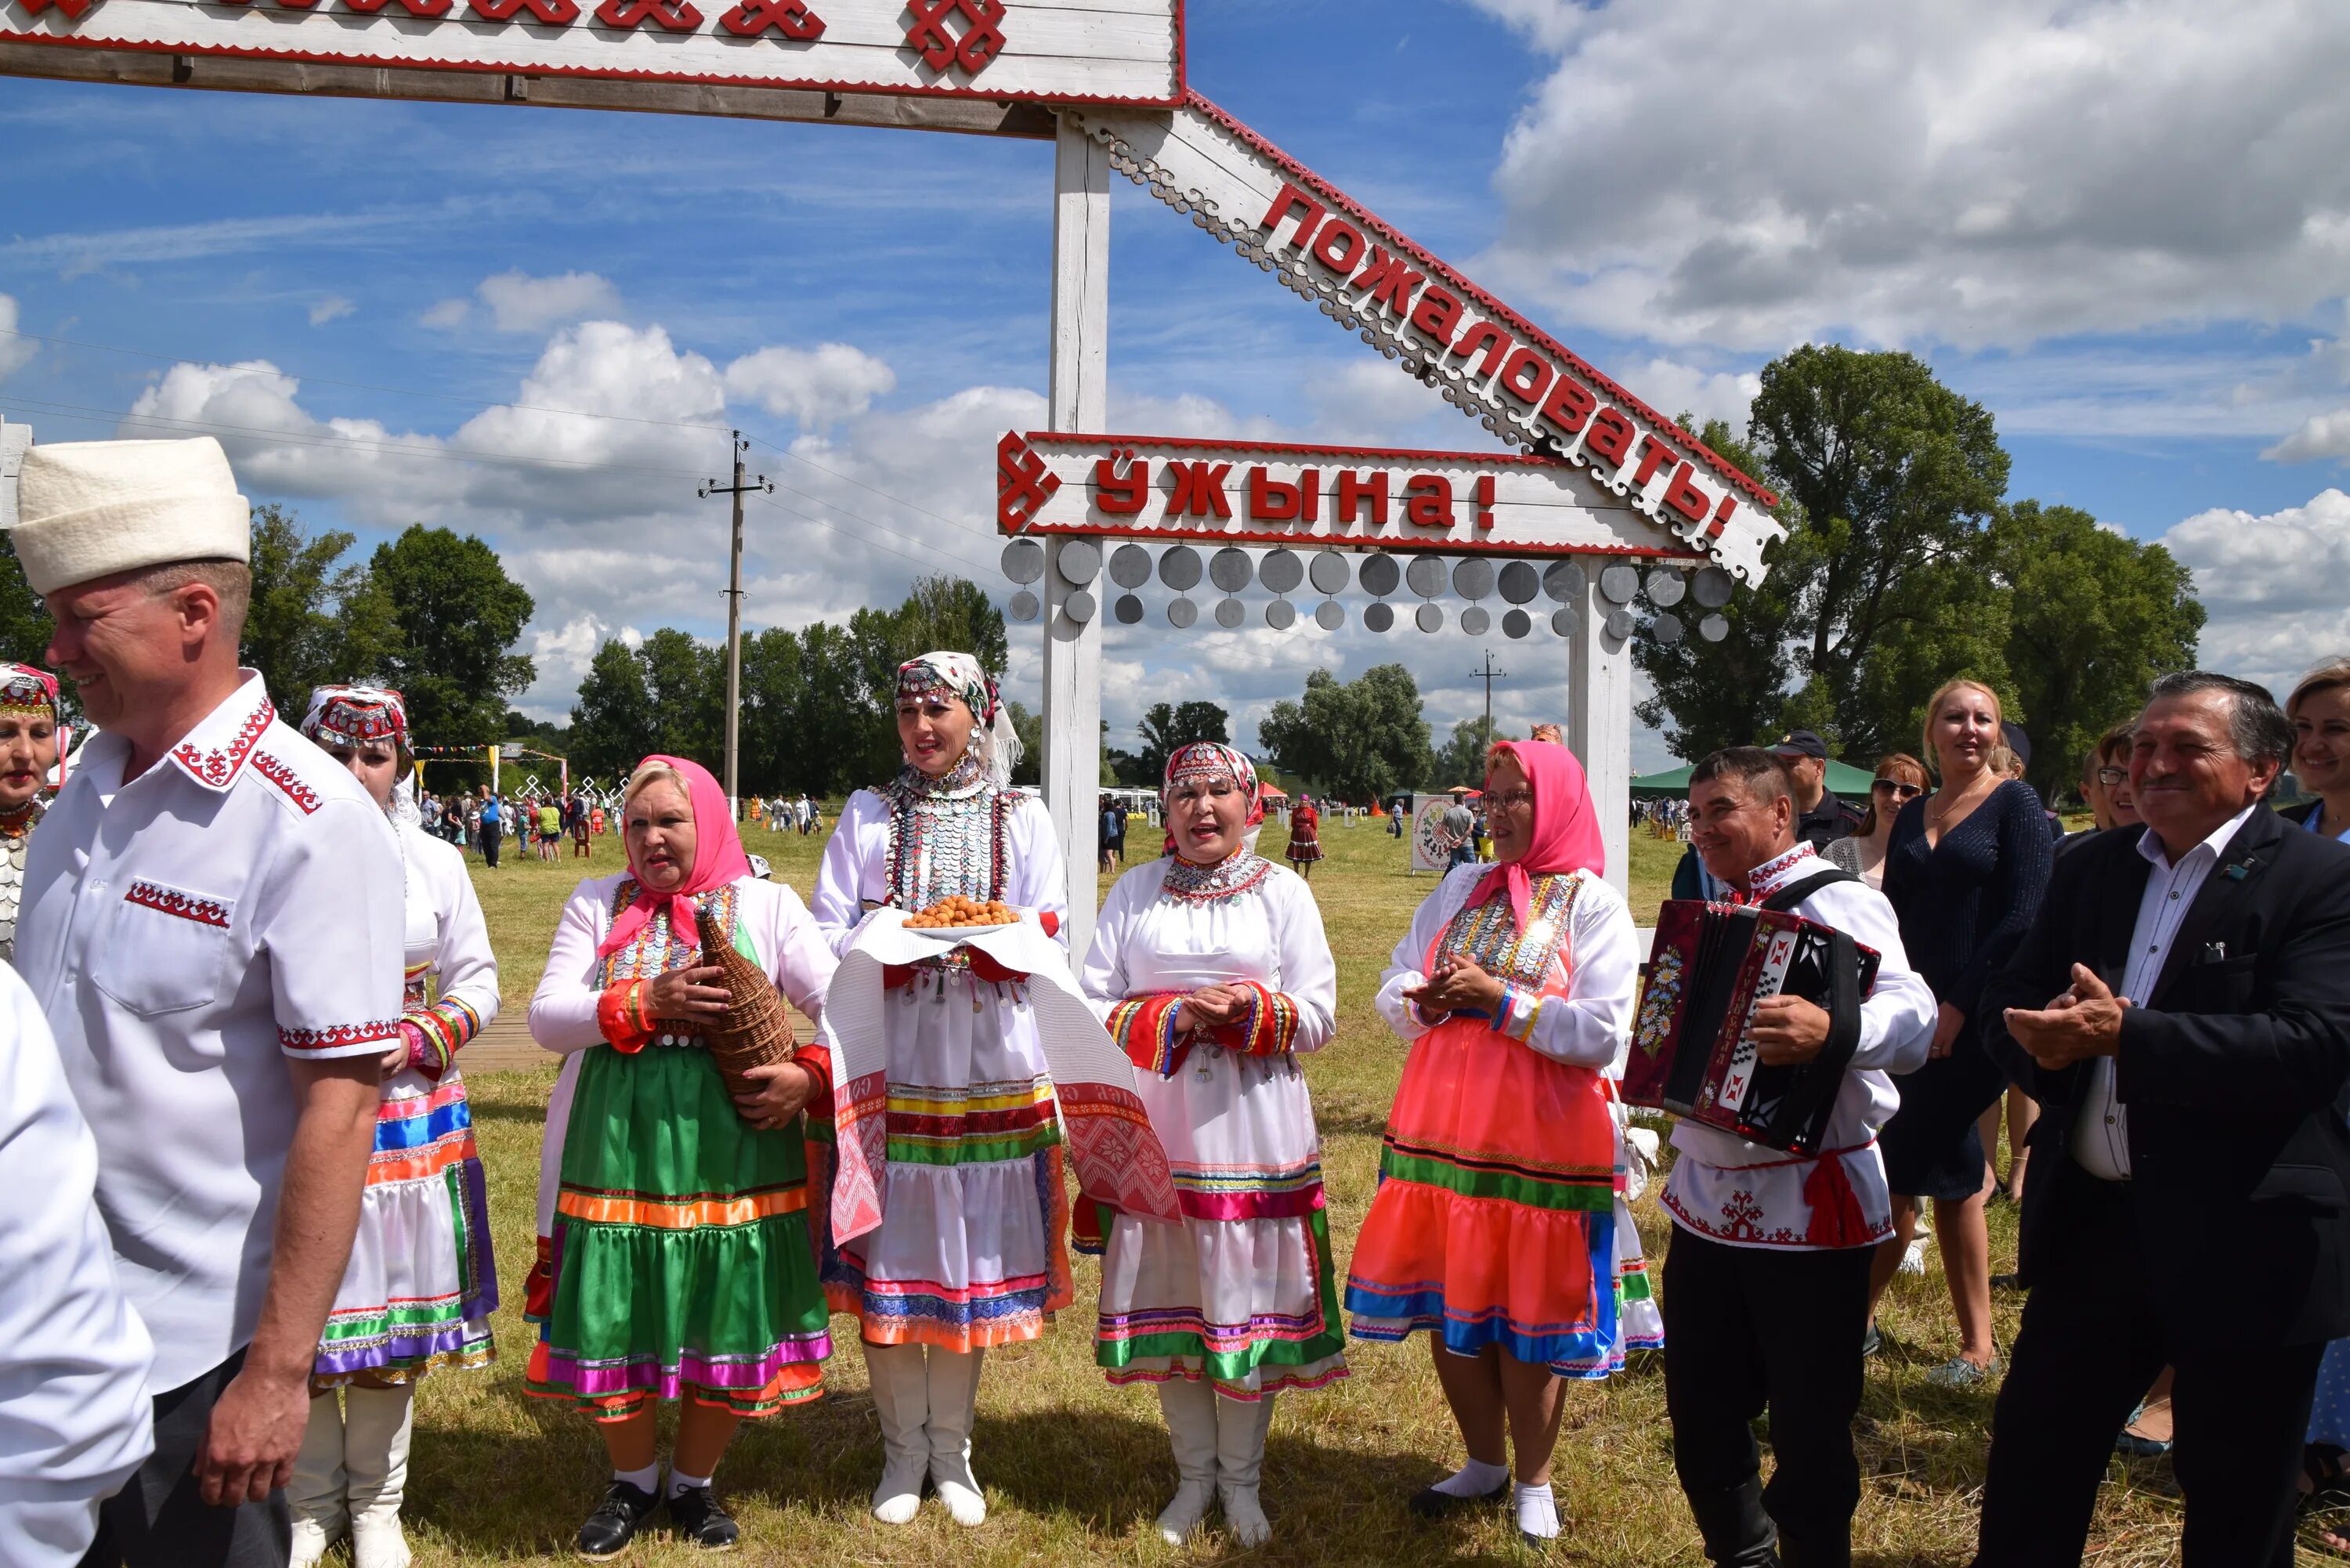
(735, 607)
(1489, 675)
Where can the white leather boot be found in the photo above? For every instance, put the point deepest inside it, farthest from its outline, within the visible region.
(1240, 1458)
(316, 1492)
(376, 1428)
(1190, 1412)
(954, 1400)
(901, 1398)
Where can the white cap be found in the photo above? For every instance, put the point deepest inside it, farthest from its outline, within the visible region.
(90, 509)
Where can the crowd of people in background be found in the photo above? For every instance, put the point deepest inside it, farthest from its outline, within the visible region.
(241, 969)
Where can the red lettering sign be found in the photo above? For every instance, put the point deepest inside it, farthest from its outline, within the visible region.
(1428, 501)
(1357, 490)
(1122, 494)
(1198, 489)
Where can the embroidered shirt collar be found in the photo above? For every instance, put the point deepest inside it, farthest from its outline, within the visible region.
(1779, 871)
(965, 778)
(2150, 843)
(214, 752)
(1235, 874)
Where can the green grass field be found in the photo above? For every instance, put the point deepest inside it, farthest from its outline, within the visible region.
(1074, 1469)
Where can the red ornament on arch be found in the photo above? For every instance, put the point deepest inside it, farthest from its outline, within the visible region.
(792, 18)
(981, 42)
(73, 10)
(669, 16)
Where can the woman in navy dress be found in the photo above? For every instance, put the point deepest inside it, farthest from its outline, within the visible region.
(1965, 872)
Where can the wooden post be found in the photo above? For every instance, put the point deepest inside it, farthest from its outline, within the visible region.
(1599, 723)
(1079, 397)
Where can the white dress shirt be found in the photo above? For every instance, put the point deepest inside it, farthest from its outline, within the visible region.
(1748, 1195)
(2101, 1125)
(75, 1415)
(185, 932)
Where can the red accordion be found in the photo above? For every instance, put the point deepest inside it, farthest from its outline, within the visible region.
(1690, 1054)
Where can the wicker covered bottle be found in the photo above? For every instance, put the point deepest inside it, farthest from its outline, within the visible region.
(757, 1028)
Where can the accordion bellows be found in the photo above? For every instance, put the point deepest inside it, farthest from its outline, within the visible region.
(756, 1031)
(1709, 966)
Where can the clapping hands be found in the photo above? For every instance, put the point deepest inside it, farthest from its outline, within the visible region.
(1457, 983)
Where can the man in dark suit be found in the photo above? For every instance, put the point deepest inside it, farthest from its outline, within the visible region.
(2187, 1199)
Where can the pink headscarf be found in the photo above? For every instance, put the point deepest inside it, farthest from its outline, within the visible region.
(718, 859)
(1567, 832)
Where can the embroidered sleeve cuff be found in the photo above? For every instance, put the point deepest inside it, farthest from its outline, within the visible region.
(620, 1017)
(436, 1034)
(817, 1060)
(1520, 1007)
(340, 1040)
(1144, 1028)
(1271, 1027)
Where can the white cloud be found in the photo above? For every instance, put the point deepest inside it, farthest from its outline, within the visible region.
(2320, 436)
(16, 352)
(1990, 171)
(2277, 586)
(521, 302)
(334, 307)
(813, 387)
(1675, 389)
(446, 314)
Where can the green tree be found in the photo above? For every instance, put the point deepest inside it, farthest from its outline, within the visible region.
(315, 619)
(1708, 695)
(953, 614)
(1167, 728)
(457, 617)
(23, 624)
(1030, 728)
(2092, 617)
(687, 680)
(1461, 758)
(1361, 740)
(612, 719)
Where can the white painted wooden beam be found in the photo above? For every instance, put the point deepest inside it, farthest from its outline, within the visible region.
(1599, 725)
(1079, 398)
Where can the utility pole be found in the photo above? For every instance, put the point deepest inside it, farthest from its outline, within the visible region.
(1489, 675)
(734, 614)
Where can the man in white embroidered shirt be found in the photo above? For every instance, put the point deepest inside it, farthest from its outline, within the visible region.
(2180, 1009)
(1765, 1294)
(211, 924)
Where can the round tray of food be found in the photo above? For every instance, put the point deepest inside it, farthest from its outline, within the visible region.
(956, 917)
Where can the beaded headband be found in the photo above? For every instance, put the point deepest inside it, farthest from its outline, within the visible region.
(356, 716)
(25, 690)
(954, 675)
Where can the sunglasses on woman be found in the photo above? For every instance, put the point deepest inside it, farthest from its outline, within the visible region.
(1899, 791)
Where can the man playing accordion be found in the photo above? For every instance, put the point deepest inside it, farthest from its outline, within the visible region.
(1766, 1284)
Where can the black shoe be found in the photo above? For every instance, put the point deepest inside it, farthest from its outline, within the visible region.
(1872, 1342)
(2007, 1281)
(614, 1524)
(1434, 1504)
(695, 1515)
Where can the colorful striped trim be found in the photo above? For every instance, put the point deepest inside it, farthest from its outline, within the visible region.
(1144, 1028)
(991, 1124)
(441, 1030)
(336, 1037)
(1467, 1175)
(1271, 1026)
(678, 1213)
(1521, 1006)
(1230, 1354)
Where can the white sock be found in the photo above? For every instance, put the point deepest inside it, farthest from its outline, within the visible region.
(1474, 1479)
(645, 1479)
(1537, 1512)
(680, 1481)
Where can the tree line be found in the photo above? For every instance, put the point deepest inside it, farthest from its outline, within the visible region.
(1905, 565)
(431, 613)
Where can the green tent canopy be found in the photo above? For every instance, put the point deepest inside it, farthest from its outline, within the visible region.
(1843, 779)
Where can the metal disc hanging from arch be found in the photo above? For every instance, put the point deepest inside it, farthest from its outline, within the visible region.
(1024, 561)
(1517, 623)
(1519, 582)
(1079, 606)
(1619, 584)
(1713, 628)
(1231, 569)
(1666, 628)
(1129, 567)
(1281, 571)
(1712, 587)
(1179, 568)
(1024, 607)
(1665, 587)
(1476, 620)
(1079, 562)
(1473, 579)
(1126, 610)
(1380, 576)
(1565, 581)
(1328, 572)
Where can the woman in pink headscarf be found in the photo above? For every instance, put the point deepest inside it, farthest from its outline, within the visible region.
(681, 1265)
(1495, 1227)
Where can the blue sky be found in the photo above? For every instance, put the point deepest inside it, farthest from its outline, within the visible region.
(2126, 228)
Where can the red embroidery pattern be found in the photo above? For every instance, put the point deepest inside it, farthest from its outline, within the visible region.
(171, 901)
(338, 1034)
(283, 776)
(983, 33)
(217, 768)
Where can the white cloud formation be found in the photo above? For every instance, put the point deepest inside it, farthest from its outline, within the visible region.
(334, 307)
(444, 315)
(1966, 171)
(2277, 586)
(813, 387)
(2320, 436)
(16, 352)
(521, 302)
(1674, 388)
